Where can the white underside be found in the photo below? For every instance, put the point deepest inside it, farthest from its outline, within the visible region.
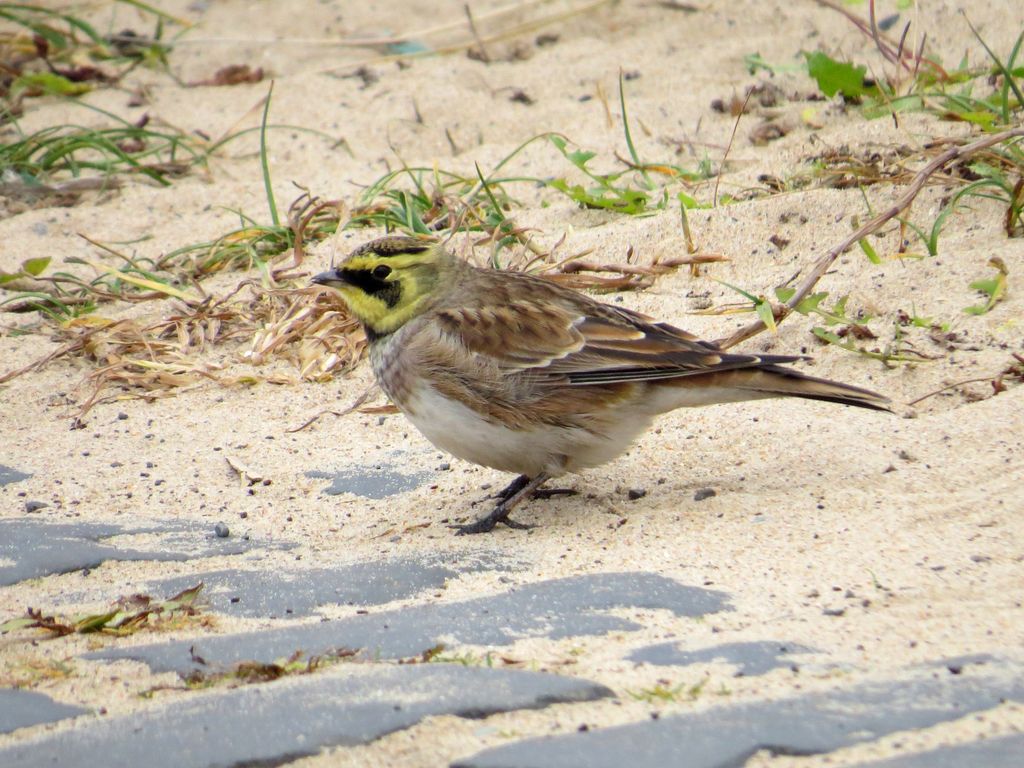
(462, 432)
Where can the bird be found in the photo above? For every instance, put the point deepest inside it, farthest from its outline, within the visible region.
(524, 375)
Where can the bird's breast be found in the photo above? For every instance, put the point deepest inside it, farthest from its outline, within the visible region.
(394, 374)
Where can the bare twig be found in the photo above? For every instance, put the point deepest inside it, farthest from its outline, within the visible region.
(72, 346)
(885, 50)
(728, 147)
(1014, 369)
(358, 403)
(821, 266)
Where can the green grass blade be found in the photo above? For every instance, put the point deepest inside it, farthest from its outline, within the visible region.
(265, 162)
(1007, 74)
(629, 137)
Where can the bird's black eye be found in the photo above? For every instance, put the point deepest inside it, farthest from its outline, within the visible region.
(381, 271)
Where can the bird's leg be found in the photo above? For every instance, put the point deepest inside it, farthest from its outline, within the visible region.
(518, 491)
(520, 482)
(512, 488)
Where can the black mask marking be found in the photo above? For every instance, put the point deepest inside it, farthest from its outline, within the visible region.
(388, 292)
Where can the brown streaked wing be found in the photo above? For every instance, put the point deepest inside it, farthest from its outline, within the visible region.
(516, 335)
(587, 345)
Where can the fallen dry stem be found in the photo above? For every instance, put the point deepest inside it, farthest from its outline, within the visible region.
(356, 405)
(728, 147)
(302, 212)
(822, 265)
(1014, 369)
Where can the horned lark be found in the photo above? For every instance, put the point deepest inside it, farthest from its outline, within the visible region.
(518, 373)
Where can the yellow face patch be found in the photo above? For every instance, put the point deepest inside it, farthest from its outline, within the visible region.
(385, 290)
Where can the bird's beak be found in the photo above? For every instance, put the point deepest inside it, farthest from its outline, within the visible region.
(332, 278)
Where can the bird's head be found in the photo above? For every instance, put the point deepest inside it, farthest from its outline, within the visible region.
(389, 281)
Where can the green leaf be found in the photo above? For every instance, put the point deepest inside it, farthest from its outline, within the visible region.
(767, 316)
(95, 623)
(689, 202)
(580, 158)
(994, 288)
(749, 296)
(19, 623)
(807, 304)
(833, 76)
(754, 62)
(832, 338)
(869, 251)
(625, 200)
(985, 170)
(36, 267)
(49, 82)
(984, 120)
(185, 598)
(784, 293)
(986, 286)
(810, 303)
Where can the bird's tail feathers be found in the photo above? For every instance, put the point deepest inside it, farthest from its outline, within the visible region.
(771, 380)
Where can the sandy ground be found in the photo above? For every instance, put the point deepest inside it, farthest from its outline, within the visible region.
(919, 516)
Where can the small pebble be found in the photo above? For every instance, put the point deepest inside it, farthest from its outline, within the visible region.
(636, 493)
(34, 506)
(444, 467)
(704, 493)
(221, 531)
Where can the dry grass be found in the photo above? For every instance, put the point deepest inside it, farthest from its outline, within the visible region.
(208, 341)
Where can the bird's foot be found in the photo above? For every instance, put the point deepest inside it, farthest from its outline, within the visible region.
(548, 493)
(486, 524)
(517, 491)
